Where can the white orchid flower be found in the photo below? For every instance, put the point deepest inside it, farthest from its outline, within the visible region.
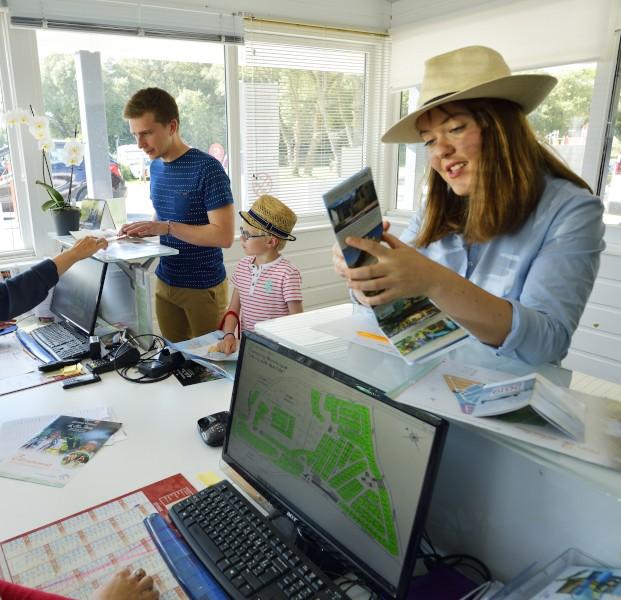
(73, 153)
(40, 133)
(38, 124)
(46, 144)
(23, 116)
(11, 118)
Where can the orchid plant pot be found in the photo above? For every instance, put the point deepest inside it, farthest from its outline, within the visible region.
(66, 220)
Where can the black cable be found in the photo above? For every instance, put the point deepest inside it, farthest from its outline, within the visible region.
(156, 344)
(465, 561)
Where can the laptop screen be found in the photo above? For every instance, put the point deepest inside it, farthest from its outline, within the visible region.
(337, 455)
(76, 295)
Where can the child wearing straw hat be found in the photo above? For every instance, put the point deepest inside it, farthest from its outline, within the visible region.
(508, 241)
(266, 285)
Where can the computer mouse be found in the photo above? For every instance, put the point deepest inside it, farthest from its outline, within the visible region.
(213, 428)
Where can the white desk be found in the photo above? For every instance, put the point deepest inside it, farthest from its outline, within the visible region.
(162, 439)
(495, 501)
(505, 502)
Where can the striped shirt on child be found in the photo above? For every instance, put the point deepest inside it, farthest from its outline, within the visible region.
(264, 290)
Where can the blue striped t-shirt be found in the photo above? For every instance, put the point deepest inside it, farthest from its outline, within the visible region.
(184, 190)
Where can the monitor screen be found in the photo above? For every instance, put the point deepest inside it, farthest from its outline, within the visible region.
(118, 300)
(337, 455)
(76, 295)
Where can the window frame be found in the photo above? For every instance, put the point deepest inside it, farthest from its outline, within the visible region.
(20, 146)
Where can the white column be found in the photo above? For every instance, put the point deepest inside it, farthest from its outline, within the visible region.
(94, 125)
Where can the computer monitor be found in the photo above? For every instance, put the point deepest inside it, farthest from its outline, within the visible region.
(118, 300)
(336, 455)
(76, 295)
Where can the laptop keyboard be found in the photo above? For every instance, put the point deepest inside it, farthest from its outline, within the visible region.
(61, 341)
(244, 552)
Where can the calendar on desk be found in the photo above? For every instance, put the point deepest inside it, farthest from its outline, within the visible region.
(76, 555)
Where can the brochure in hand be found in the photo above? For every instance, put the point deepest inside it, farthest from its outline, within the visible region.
(416, 327)
(53, 456)
(531, 393)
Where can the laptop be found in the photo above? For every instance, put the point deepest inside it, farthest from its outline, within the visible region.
(75, 304)
(352, 470)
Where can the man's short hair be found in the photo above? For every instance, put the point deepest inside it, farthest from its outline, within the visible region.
(153, 100)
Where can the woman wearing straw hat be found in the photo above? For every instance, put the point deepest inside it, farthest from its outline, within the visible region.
(509, 238)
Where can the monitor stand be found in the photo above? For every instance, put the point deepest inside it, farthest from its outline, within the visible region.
(323, 556)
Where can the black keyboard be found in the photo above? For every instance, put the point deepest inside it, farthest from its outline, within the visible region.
(244, 552)
(61, 341)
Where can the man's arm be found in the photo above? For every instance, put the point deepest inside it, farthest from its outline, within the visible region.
(218, 233)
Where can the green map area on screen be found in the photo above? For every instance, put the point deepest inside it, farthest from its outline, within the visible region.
(333, 449)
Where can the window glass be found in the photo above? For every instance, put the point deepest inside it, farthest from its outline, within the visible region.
(562, 119)
(303, 121)
(10, 231)
(611, 189)
(412, 162)
(193, 72)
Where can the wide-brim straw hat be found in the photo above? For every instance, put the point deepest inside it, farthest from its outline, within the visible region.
(468, 73)
(269, 214)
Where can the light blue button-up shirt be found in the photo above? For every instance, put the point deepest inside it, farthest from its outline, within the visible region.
(546, 269)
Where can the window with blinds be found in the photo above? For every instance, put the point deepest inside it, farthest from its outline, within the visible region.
(304, 110)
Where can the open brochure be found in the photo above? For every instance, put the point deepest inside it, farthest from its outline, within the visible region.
(569, 412)
(58, 451)
(529, 393)
(416, 327)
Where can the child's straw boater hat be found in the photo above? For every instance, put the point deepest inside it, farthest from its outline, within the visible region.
(269, 214)
(467, 73)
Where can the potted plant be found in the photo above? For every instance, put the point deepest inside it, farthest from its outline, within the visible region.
(65, 213)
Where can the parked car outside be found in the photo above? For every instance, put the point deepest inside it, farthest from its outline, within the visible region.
(61, 173)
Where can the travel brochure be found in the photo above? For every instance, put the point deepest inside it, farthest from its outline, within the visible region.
(532, 393)
(55, 454)
(416, 327)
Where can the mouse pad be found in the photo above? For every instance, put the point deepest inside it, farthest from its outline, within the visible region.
(192, 373)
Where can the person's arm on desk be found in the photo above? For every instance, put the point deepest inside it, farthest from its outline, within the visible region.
(24, 291)
(218, 233)
(125, 585)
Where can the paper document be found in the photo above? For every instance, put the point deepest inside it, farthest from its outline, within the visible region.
(573, 413)
(416, 327)
(58, 451)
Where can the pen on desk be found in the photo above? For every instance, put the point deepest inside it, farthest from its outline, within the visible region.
(373, 336)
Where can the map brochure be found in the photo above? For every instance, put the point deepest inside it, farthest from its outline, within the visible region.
(416, 327)
(58, 451)
(530, 392)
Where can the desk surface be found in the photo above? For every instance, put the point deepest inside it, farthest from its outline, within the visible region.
(508, 497)
(389, 372)
(162, 439)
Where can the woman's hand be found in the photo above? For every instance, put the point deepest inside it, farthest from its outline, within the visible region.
(400, 271)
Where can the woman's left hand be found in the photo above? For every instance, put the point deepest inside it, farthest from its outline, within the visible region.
(400, 271)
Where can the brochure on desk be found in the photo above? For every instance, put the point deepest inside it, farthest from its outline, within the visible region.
(122, 248)
(416, 327)
(58, 451)
(572, 412)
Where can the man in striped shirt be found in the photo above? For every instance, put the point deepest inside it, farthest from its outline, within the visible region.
(266, 284)
(191, 194)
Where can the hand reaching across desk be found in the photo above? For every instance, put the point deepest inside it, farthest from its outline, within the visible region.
(125, 585)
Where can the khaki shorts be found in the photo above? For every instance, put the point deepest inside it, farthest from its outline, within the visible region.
(184, 313)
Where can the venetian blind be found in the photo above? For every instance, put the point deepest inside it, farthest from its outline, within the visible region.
(312, 112)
